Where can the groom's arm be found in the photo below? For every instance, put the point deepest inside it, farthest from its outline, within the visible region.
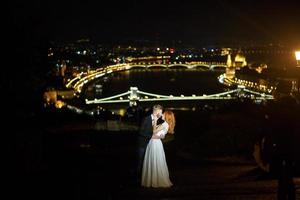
(162, 131)
(143, 129)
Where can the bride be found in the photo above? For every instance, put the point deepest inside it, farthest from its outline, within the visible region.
(155, 170)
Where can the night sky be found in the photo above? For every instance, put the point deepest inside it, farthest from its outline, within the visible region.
(195, 22)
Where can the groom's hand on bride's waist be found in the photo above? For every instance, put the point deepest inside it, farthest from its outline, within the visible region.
(156, 137)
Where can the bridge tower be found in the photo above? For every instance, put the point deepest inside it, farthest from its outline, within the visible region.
(241, 92)
(133, 97)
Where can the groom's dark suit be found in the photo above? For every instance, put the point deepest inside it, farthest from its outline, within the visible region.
(145, 134)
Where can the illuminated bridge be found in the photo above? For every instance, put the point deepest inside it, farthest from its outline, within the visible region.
(134, 95)
(194, 65)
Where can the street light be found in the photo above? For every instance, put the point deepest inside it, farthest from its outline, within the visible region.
(297, 54)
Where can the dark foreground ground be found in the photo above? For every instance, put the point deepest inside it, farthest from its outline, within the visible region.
(209, 157)
(98, 165)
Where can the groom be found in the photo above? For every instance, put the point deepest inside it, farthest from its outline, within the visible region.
(145, 134)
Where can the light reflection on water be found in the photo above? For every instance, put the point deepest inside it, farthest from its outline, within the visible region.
(122, 111)
(165, 82)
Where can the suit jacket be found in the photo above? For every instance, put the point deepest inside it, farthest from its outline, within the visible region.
(145, 132)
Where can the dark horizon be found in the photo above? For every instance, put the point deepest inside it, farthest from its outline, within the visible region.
(192, 22)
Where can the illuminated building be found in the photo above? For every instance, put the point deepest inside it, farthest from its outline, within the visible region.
(229, 62)
(50, 97)
(240, 61)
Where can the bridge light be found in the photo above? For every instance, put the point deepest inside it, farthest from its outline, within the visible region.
(182, 95)
(193, 95)
(121, 98)
(146, 97)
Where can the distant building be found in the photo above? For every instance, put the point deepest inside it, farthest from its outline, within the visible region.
(239, 61)
(259, 68)
(50, 97)
(225, 51)
(65, 94)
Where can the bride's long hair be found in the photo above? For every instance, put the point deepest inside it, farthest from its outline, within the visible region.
(170, 119)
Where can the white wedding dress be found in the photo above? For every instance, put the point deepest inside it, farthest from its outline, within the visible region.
(155, 171)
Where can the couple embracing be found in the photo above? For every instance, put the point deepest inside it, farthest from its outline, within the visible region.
(152, 166)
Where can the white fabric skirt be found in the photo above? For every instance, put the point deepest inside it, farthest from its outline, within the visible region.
(155, 171)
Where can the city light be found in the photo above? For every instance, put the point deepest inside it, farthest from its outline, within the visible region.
(297, 55)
